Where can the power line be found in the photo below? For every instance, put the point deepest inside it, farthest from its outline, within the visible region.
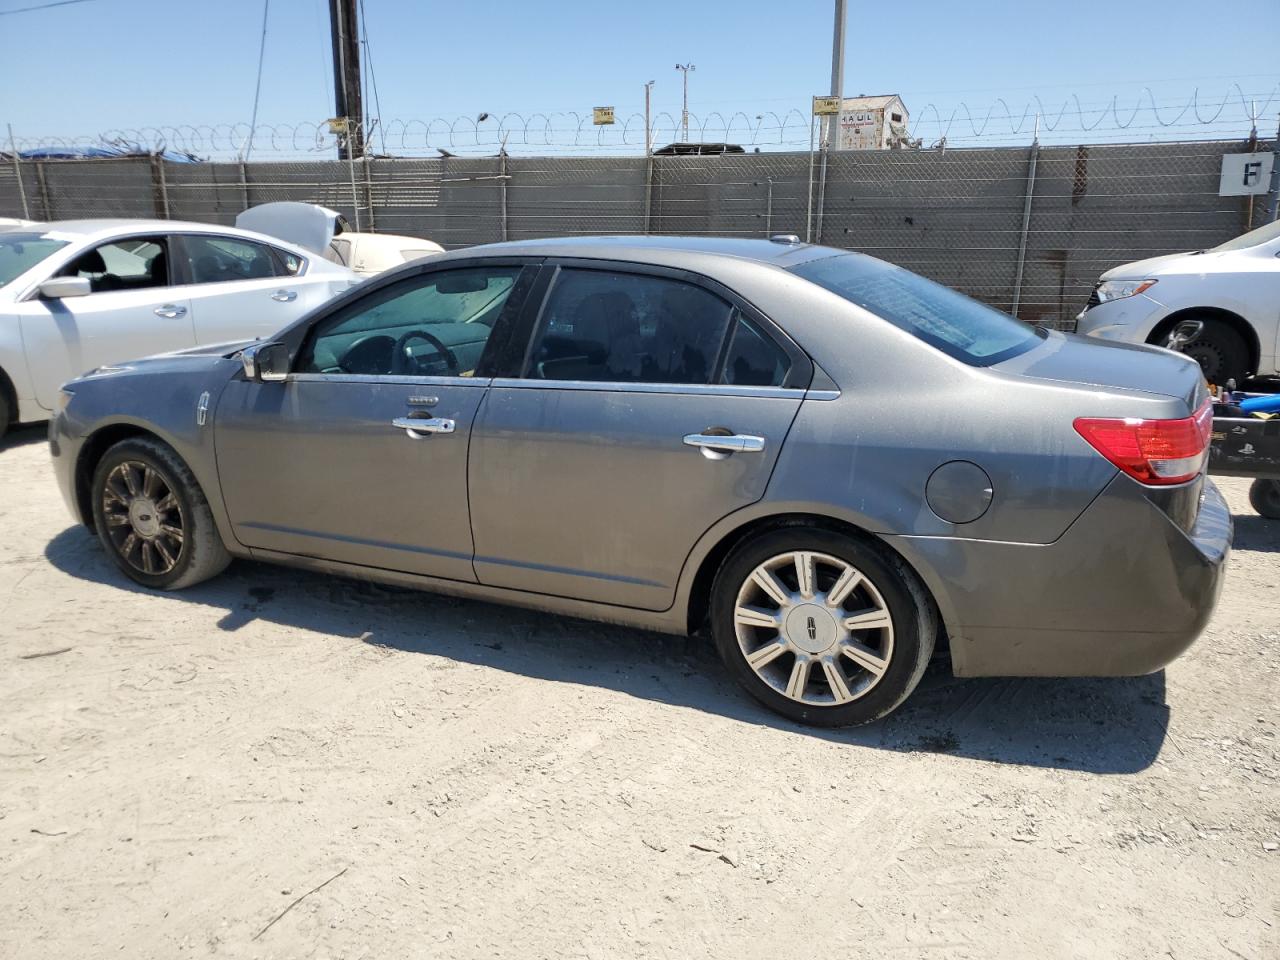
(42, 6)
(373, 80)
(257, 90)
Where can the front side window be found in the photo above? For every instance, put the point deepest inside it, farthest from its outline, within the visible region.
(957, 325)
(224, 259)
(431, 325)
(600, 325)
(19, 252)
(137, 263)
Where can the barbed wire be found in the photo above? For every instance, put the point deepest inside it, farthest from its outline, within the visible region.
(557, 131)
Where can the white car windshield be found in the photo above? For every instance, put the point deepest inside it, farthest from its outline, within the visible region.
(1253, 238)
(19, 252)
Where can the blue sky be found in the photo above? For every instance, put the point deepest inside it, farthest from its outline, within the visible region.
(89, 67)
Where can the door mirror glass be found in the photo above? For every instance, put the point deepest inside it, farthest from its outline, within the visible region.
(62, 288)
(266, 362)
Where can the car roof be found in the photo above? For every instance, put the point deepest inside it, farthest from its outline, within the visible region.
(665, 251)
(109, 226)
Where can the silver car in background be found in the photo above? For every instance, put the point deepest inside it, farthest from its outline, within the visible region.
(836, 465)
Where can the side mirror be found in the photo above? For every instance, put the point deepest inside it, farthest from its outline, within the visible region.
(266, 362)
(63, 288)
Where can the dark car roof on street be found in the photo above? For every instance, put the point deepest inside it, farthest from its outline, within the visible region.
(660, 249)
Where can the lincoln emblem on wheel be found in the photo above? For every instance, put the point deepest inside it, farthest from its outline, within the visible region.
(688, 435)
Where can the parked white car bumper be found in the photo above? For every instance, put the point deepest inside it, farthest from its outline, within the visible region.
(1131, 319)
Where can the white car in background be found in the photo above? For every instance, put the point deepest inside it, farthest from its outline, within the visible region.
(326, 232)
(1233, 288)
(79, 294)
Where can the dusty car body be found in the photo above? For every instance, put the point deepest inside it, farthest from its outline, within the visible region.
(670, 432)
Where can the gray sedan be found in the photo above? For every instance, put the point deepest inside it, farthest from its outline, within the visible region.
(837, 466)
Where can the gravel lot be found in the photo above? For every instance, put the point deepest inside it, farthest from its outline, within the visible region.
(177, 770)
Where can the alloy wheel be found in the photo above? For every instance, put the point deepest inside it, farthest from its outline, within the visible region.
(814, 628)
(143, 517)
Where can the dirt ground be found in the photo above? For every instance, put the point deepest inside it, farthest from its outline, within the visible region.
(462, 780)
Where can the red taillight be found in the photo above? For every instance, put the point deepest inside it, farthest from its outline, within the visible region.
(1155, 452)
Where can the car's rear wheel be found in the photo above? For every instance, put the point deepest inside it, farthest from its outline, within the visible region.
(153, 518)
(823, 628)
(1264, 495)
(1221, 353)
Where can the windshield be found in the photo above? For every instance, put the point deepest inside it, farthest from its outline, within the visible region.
(957, 325)
(19, 252)
(1252, 238)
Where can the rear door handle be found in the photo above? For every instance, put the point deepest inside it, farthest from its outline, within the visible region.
(420, 427)
(285, 296)
(170, 311)
(734, 443)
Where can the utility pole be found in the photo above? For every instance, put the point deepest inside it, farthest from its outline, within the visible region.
(684, 68)
(648, 136)
(347, 98)
(837, 69)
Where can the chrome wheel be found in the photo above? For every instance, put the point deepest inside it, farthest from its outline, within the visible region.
(813, 628)
(143, 518)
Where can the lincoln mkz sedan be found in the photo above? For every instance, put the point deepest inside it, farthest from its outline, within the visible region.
(834, 464)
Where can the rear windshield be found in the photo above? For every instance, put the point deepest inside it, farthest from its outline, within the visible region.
(19, 252)
(957, 325)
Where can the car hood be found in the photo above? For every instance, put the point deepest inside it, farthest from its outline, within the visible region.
(306, 225)
(1152, 266)
(1067, 358)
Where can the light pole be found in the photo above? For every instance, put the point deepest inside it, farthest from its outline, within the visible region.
(684, 68)
(837, 69)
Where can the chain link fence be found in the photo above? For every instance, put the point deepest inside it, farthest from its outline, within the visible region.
(1025, 229)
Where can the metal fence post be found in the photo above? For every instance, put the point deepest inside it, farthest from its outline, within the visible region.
(502, 175)
(159, 188)
(368, 193)
(1026, 224)
(43, 185)
(822, 196)
(768, 210)
(244, 186)
(17, 170)
(648, 190)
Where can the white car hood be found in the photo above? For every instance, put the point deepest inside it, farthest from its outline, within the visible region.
(1153, 266)
(303, 224)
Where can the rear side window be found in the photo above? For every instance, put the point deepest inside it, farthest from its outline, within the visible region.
(600, 325)
(957, 325)
(225, 259)
(754, 360)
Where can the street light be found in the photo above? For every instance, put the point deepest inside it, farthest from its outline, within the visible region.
(684, 68)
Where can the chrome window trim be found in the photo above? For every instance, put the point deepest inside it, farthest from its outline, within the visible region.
(388, 378)
(822, 395)
(694, 389)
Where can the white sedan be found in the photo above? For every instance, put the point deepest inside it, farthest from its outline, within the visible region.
(1233, 288)
(79, 294)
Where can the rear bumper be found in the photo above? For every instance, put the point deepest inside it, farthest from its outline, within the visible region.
(1123, 592)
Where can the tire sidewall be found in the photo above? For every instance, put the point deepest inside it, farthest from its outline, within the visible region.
(911, 629)
(1230, 348)
(144, 453)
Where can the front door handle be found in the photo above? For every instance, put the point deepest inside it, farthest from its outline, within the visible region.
(733, 443)
(170, 311)
(285, 296)
(420, 427)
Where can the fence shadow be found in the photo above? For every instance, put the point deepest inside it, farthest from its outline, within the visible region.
(1107, 726)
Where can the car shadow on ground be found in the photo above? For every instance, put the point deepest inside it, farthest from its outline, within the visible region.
(24, 436)
(1110, 726)
(1256, 533)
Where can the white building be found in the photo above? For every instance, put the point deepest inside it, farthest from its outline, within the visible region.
(872, 123)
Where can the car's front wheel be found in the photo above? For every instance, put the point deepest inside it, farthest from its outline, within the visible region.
(1221, 353)
(153, 518)
(824, 628)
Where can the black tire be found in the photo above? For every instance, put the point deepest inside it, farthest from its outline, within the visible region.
(1264, 495)
(1221, 353)
(912, 634)
(200, 552)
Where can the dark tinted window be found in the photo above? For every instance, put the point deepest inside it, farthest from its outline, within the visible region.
(599, 325)
(133, 264)
(938, 315)
(433, 325)
(222, 259)
(754, 360)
